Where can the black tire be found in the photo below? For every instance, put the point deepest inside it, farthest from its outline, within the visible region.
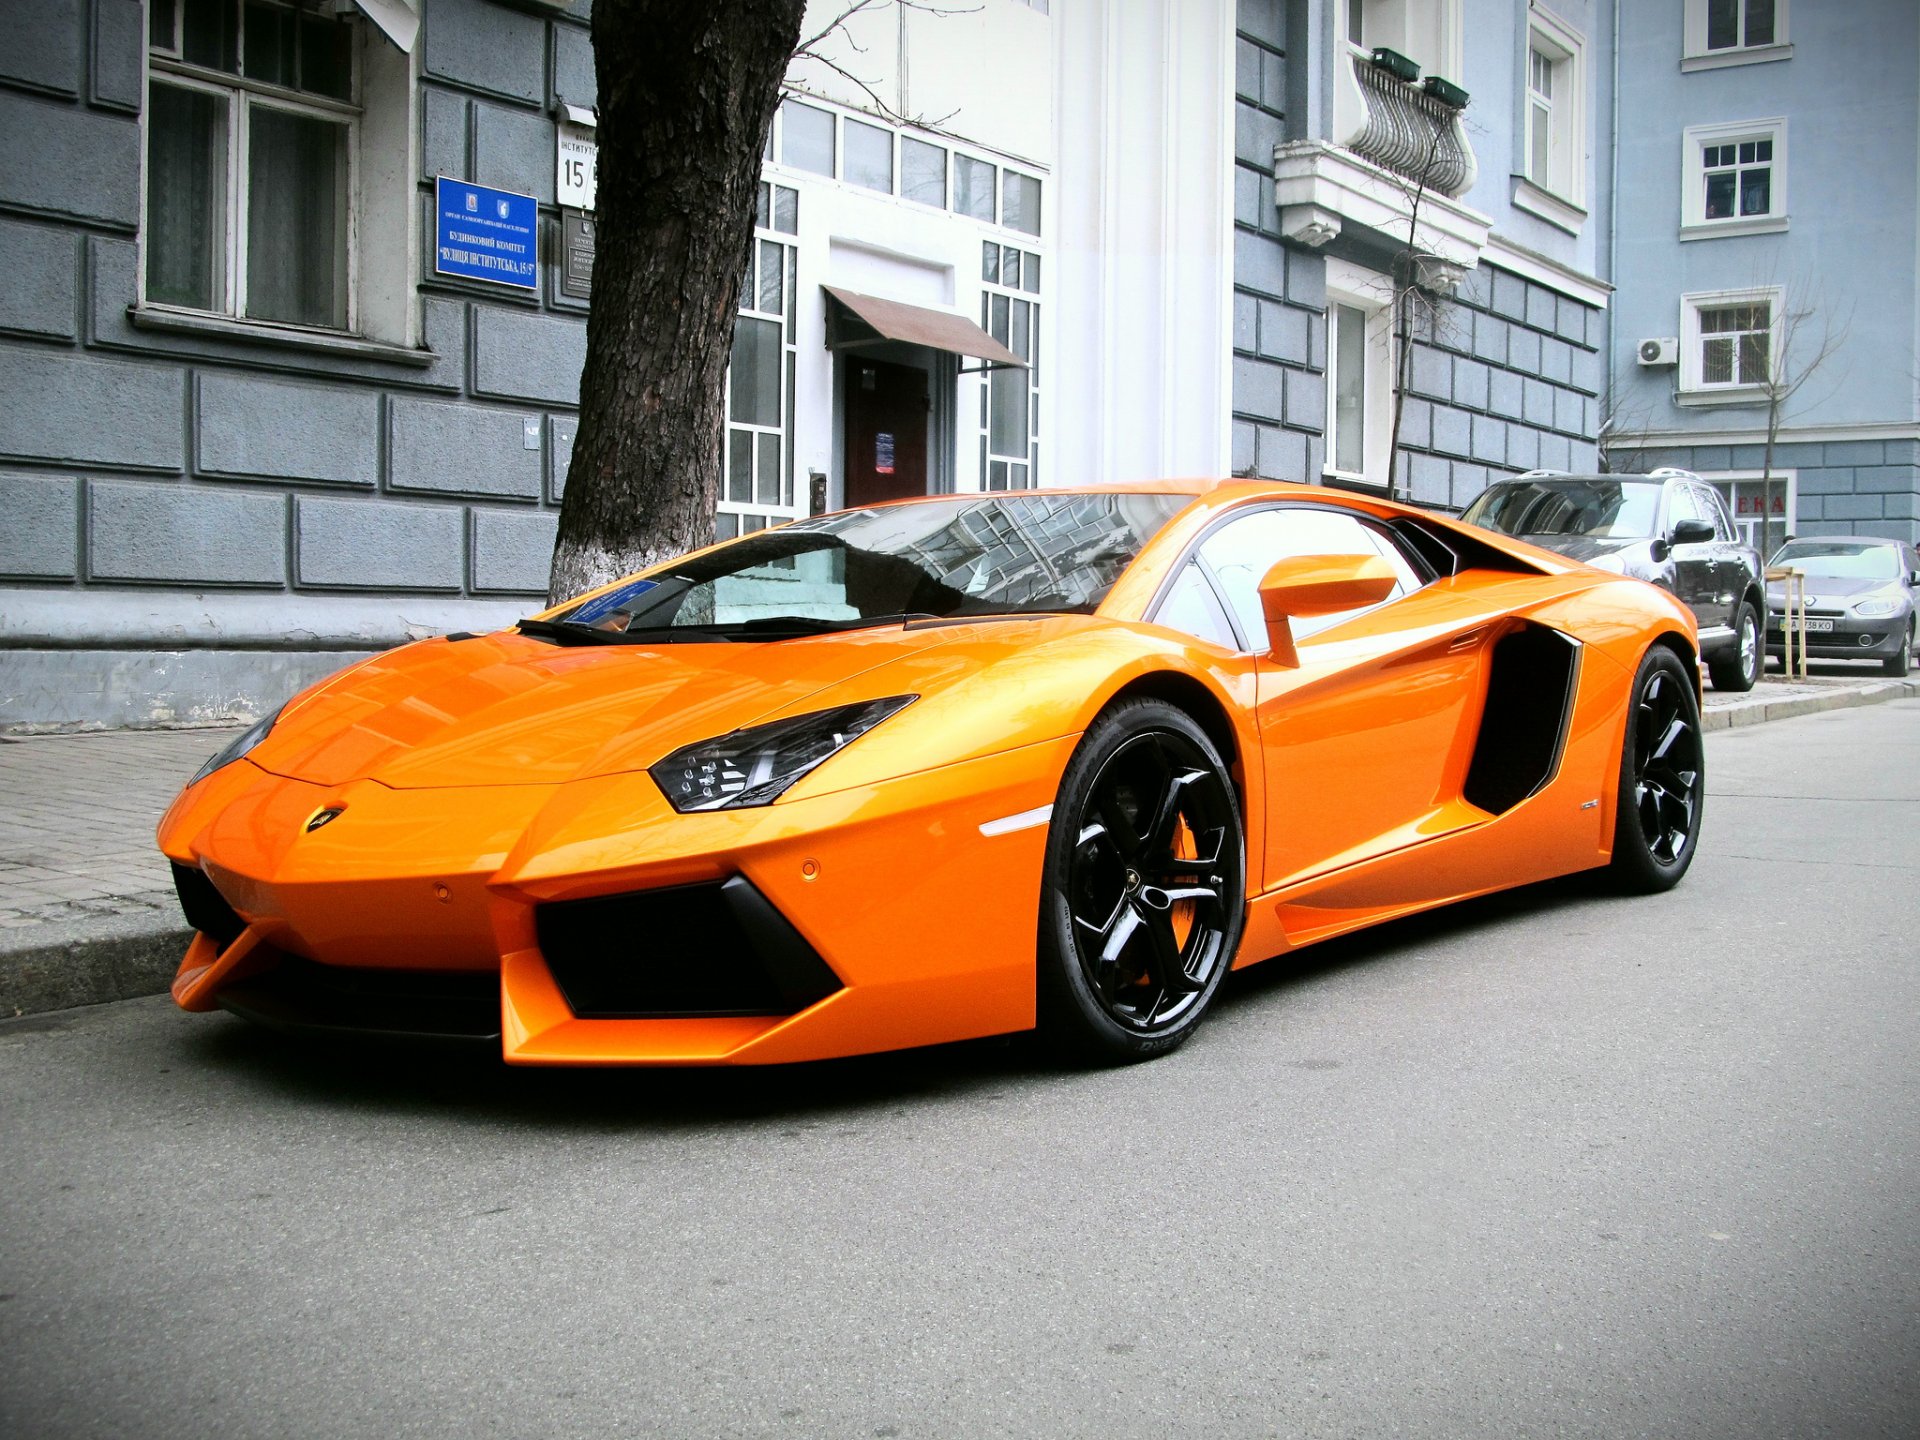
(1739, 668)
(1663, 778)
(1144, 892)
(1901, 661)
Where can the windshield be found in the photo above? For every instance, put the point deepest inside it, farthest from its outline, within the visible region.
(1600, 507)
(1839, 561)
(958, 556)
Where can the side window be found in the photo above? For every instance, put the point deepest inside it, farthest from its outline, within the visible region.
(1714, 509)
(1192, 608)
(1242, 552)
(1681, 505)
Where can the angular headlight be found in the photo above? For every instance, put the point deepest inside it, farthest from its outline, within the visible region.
(1878, 605)
(237, 747)
(756, 766)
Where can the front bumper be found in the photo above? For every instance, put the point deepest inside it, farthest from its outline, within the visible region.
(1851, 637)
(923, 928)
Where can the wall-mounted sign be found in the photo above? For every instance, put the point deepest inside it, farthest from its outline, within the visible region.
(485, 234)
(576, 161)
(576, 256)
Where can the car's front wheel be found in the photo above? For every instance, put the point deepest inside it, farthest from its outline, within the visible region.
(1901, 661)
(1663, 778)
(1145, 887)
(1739, 668)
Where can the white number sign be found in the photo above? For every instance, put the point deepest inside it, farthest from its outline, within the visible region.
(577, 157)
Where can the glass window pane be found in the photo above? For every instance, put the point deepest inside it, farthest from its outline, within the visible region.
(740, 466)
(754, 385)
(997, 326)
(1192, 608)
(209, 34)
(1019, 342)
(973, 187)
(160, 24)
(923, 172)
(1010, 268)
(1020, 203)
(1350, 390)
(1753, 358)
(990, 263)
(767, 470)
(186, 197)
(1720, 195)
(769, 277)
(869, 158)
(268, 47)
(793, 286)
(1756, 190)
(1723, 24)
(1030, 274)
(326, 57)
(786, 210)
(1008, 434)
(761, 212)
(1716, 361)
(296, 218)
(1759, 22)
(1539, 118)
(806, 138)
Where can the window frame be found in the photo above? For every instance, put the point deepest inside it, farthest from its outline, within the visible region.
(1694, 143)
(1693, 387)
(1696, 54)
(1352, 287)
(1561, 195)
(241, 95)
(1428, 32)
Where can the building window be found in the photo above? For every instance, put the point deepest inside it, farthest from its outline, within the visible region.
(757, 463)
(1742, 490)
(1736, 179)
(1359, 373)
(1735, 32)
(252, 125)
(869, 159)
(1728, 342)
(1425, 31)
(1010, 398)
(1553, 128)
(806, 138)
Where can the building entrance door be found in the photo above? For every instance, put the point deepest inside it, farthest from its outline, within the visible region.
(886, 409)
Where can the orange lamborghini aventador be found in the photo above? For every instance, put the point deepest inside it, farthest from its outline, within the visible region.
(955, 767)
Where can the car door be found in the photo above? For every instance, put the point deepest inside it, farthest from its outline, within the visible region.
(1359, 739)
(1735, 567)
(1693, 565)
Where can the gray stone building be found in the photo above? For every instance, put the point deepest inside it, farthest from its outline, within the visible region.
(251, 433)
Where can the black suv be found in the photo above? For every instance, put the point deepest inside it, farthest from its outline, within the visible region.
(1669, 527)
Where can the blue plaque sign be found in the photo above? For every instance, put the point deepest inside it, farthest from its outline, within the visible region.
(485, 234)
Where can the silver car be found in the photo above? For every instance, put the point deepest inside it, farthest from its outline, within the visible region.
(1859, 597)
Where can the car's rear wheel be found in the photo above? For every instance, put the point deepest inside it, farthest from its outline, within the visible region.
(1739, 667)
(1663, 778)
(1145, 887)
(1901, 661)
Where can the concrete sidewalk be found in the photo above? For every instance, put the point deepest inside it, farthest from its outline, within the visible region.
(87, 910)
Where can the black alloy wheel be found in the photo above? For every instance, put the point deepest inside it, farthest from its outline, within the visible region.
(1662, 778)
(1739, 668)
(1144, 890)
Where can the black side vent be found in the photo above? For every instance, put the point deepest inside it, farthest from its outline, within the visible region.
(1524, 727)
(206, 908)
(687, 950)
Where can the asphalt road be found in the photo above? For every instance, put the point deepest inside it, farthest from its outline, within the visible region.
(1556, 1163)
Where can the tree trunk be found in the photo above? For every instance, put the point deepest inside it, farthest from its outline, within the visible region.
(687, 93)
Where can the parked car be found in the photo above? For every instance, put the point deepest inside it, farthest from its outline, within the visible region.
(1669, 528)
(948, 768)
(1859, 599)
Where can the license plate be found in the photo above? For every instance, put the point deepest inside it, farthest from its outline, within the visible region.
(1819, 627)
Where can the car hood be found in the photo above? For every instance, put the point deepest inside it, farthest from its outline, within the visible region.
(1824, 587)
(507, 709)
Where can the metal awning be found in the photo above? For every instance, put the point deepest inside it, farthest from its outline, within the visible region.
(854, 319)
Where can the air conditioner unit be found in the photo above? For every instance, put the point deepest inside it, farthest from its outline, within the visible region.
(1660, 352)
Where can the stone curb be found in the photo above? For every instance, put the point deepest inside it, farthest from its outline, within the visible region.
(1754, 709)
(92, 962)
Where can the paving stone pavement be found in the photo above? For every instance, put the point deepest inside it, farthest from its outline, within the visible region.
(77, 815)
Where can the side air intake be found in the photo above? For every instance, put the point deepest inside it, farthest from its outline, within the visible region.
(1524, 726)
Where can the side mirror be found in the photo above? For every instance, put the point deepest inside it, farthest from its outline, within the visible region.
(1914, 579)
(1319, 585)
(1692, 532)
